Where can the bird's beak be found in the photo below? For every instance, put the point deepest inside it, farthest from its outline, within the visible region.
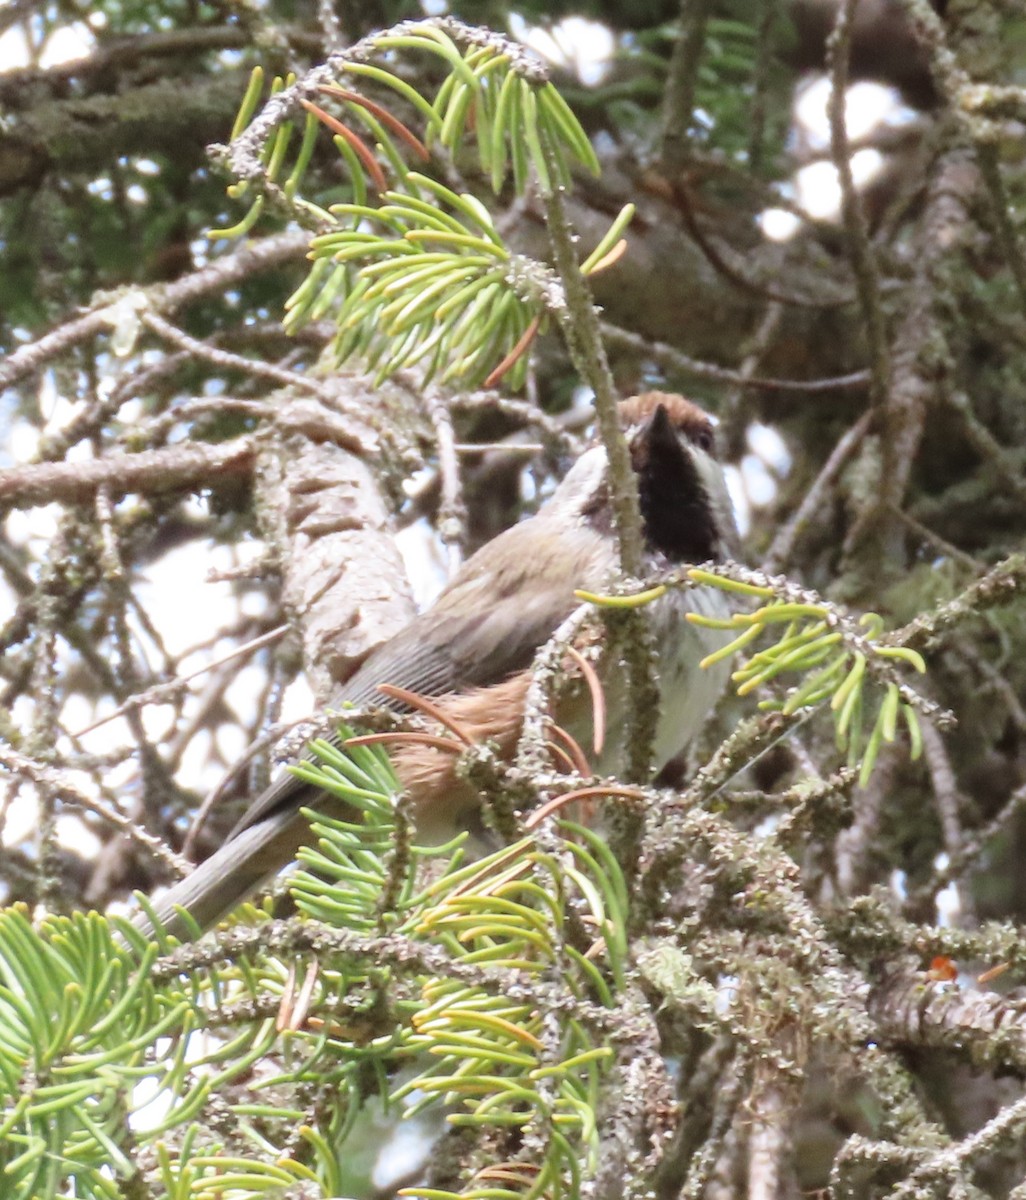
(656, 440)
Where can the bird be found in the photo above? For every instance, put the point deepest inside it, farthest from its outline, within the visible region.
(473, 649)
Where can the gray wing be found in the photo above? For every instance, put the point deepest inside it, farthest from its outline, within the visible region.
(502, 606)
(489, 622)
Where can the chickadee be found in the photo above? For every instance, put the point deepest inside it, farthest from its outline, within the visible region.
(474, 647)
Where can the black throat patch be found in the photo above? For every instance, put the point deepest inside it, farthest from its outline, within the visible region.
(675, 507)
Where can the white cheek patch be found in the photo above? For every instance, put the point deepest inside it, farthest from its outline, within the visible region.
(582, 484)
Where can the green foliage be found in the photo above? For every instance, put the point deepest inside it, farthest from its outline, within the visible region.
(519, 119)
(835, 659)
(417, 274)
(78, 1021)
(485, 1049)
(737, 68)
(723, 82)
(454, 969)
(433, 289)
(836, 656)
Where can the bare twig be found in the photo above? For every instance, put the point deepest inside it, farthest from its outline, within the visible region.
(673, 359)
(945, 788)
(194, 464)
(681, 79)
(1001, 585)
(987, 445)
(863, 260)
(779, 553)
(160, 693)
(452, 515)
(579, 321)
(970, 105)
(217, 275)
(62, 788)
(229, 361)
(920, 344)
(937, 542)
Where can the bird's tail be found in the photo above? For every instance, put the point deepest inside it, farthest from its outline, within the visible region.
(242, 865)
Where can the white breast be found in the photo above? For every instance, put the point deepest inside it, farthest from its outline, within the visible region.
(687, 692)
